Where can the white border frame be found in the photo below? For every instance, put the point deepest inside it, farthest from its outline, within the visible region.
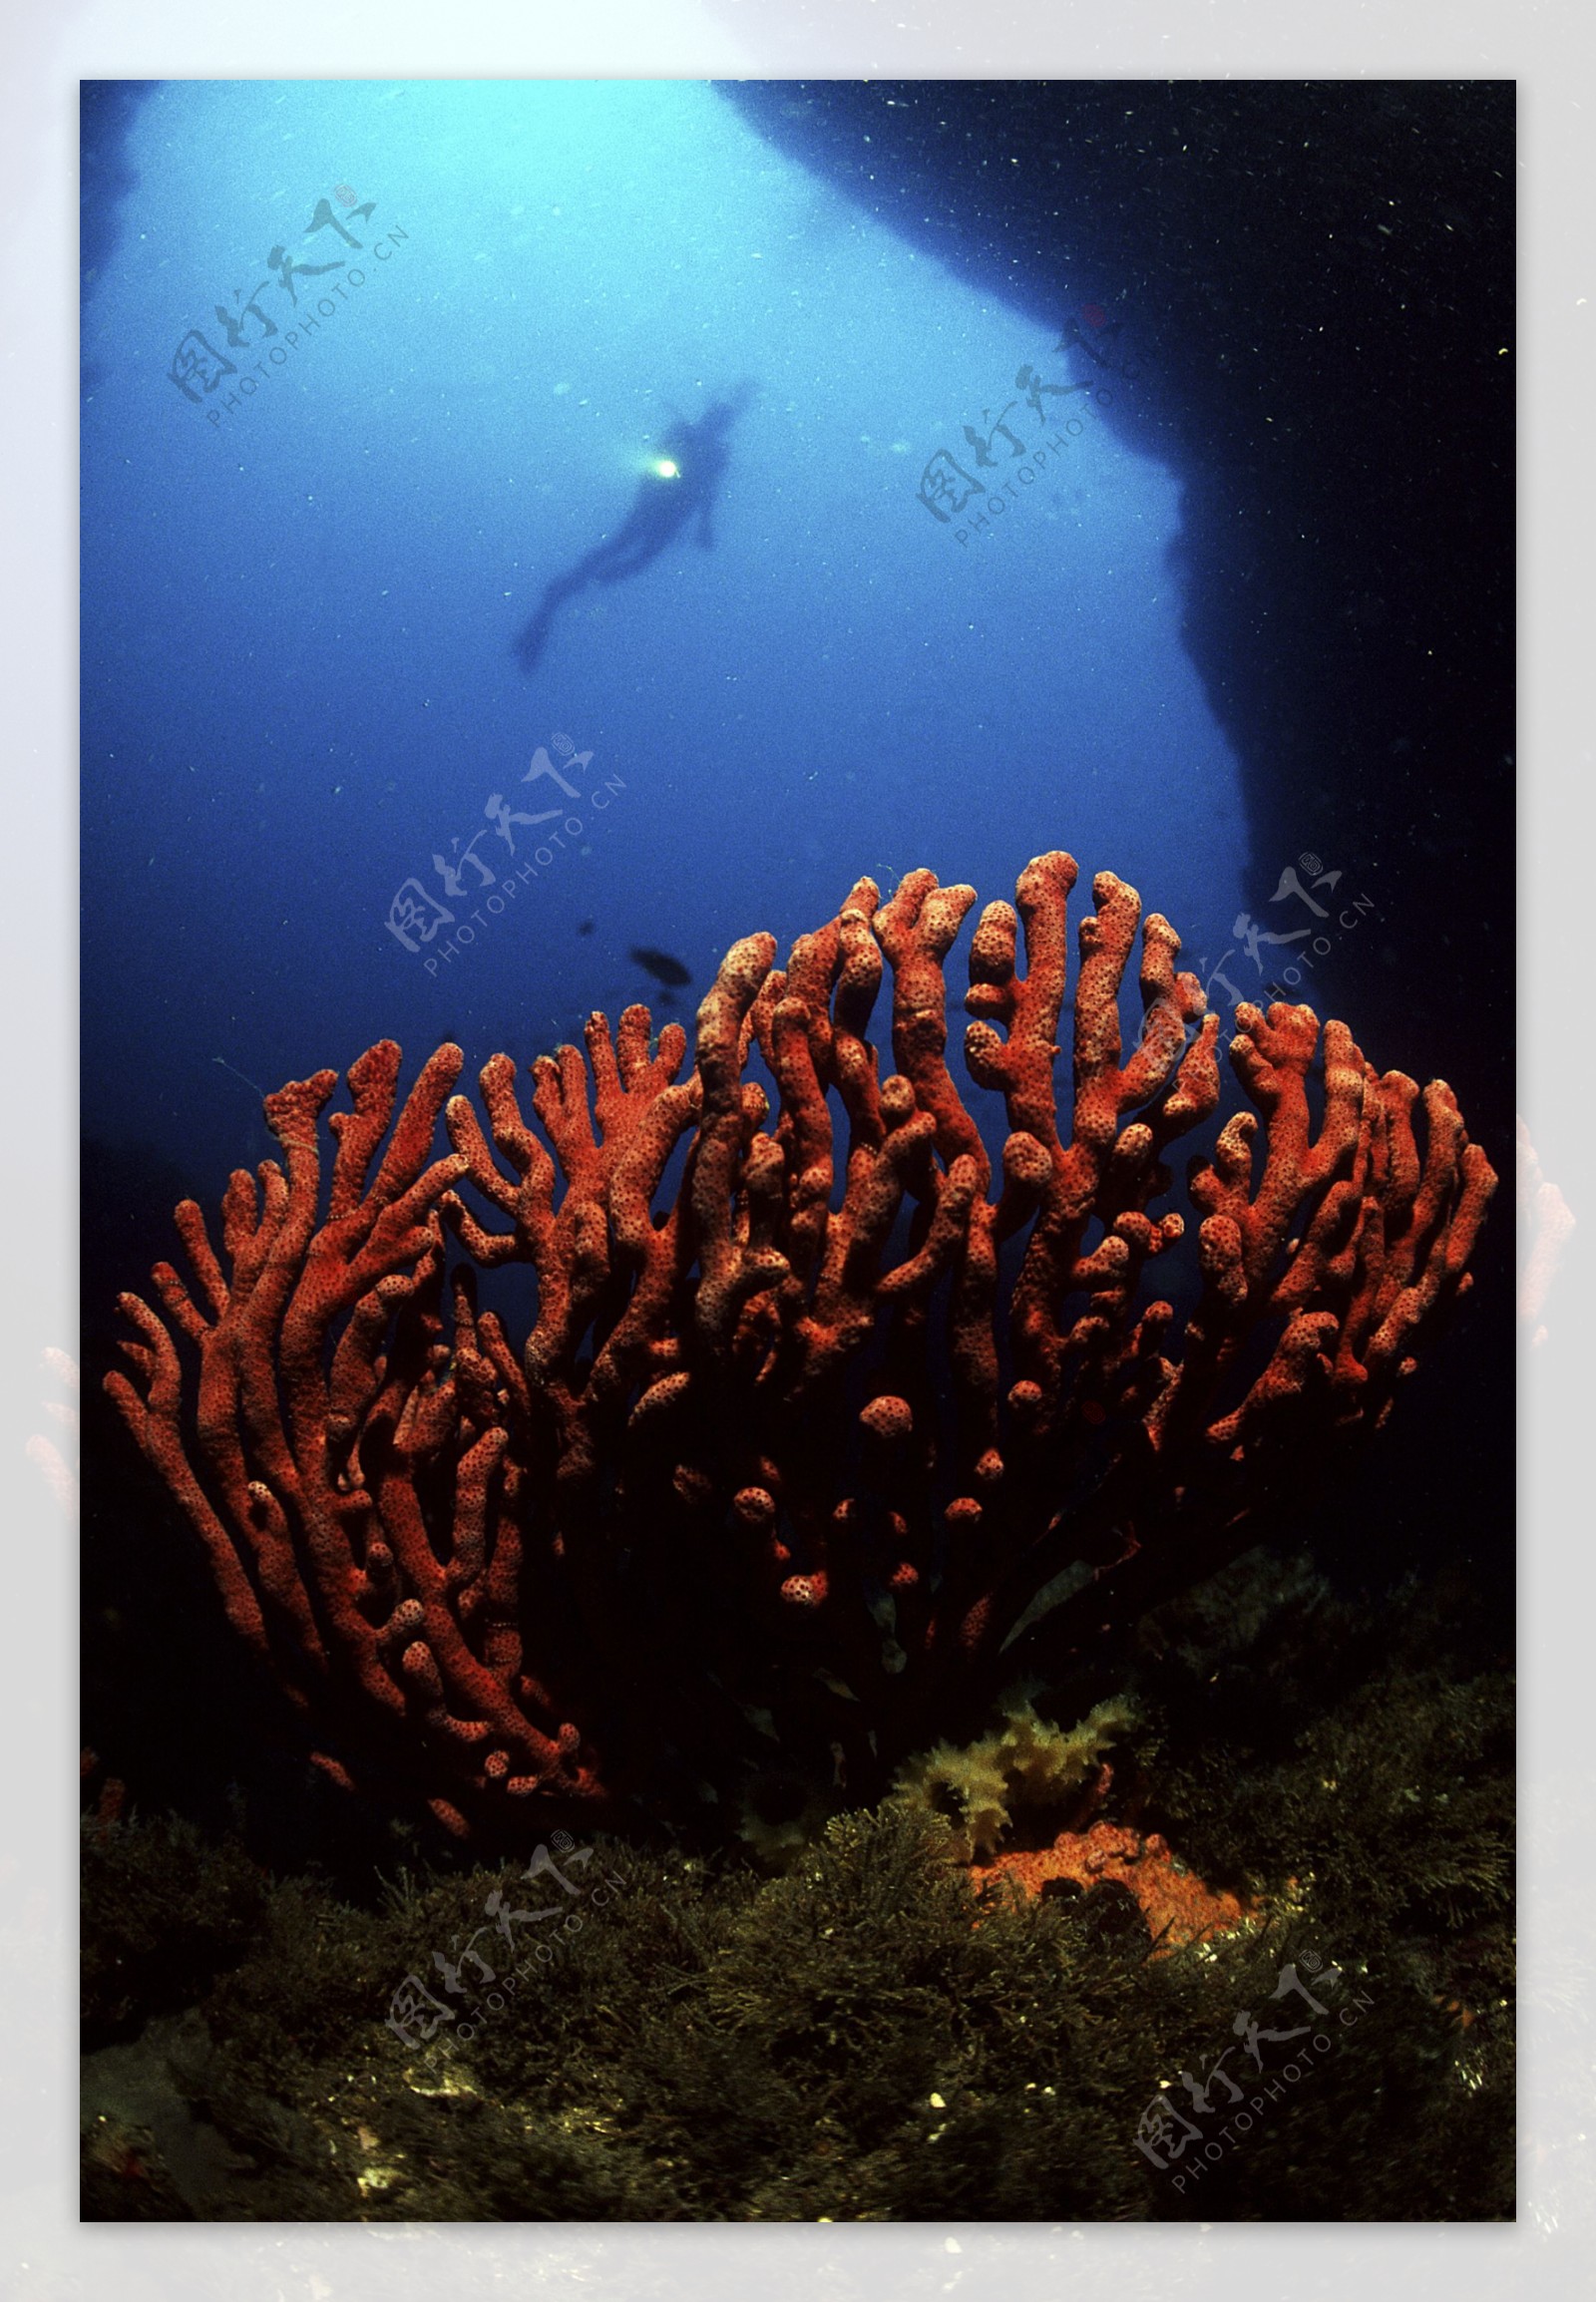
(43, 2253)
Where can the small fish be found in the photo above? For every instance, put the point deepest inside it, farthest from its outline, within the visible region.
(666, 971)
(586, 928)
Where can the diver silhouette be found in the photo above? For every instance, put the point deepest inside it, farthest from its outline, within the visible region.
(682, 484)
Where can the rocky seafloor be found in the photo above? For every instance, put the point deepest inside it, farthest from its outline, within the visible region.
(877, 2031)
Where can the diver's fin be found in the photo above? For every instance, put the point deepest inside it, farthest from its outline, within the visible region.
(533, 637)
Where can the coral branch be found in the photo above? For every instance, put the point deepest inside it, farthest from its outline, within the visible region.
(794, 1468)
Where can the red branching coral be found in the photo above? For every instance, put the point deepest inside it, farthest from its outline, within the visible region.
(796, 1441)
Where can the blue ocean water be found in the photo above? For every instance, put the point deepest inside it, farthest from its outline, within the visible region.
(305, 734)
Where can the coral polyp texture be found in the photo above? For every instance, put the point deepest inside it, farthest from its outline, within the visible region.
(827, 1428)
